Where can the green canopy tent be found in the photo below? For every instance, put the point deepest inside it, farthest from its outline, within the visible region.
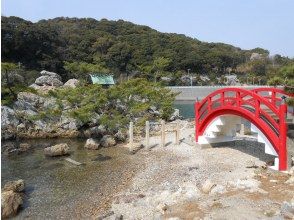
(105, 80)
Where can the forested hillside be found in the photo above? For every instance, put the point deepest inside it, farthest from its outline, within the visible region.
(73, 47)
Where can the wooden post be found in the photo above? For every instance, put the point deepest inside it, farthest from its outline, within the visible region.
(162, 133)
(131, 134)
(177, 133)
(147, 133)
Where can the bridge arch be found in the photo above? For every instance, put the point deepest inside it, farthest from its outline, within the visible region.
(266, 112)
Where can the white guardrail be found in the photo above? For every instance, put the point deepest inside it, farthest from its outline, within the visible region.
(189, 93)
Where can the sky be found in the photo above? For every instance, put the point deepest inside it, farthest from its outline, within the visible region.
(244, 23)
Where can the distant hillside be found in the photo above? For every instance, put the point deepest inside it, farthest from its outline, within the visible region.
(119, 46)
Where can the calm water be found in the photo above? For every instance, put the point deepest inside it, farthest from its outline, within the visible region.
(57, 189)
(186, 108)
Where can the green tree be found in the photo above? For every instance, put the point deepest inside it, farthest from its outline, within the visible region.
(160, 64)
(7, 70)
(81, 70)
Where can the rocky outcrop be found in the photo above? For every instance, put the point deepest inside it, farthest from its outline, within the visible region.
(96, 131)
(11, 198)
(47, 79)
(73, 83)
(44, 89)
(31, 98)
(107, 141)
(92, 144)
(68, 123)
(9, 123)
(57, 150)
(29, 105)
(51, 74)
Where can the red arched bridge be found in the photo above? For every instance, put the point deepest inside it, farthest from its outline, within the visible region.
(219, 113)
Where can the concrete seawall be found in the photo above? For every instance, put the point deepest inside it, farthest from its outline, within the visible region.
(190, 93)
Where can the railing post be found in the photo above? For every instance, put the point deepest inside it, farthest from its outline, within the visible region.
(147, 129)
(162, 133)
(257, 108)
(238, 97)
(131, 134)
(273, 98)
(283, 137)
(223, 98)
(196, 111)
(209, 103)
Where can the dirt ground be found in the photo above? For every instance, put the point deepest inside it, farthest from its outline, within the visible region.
(187, 182)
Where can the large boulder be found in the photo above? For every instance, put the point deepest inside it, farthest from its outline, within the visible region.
(107, 141)
(44, 89)
(97, 131)
(28, 97)
(73, 83)
(15, 186)
(10, 203)
(12, 77)
(120, 136)
(51, 74)
(69, 123)
(57, 150)
(49, 81)
(92, 144)
(21, 106)
(11, 198)
(9, 123)
(176, 115)
(50, 103)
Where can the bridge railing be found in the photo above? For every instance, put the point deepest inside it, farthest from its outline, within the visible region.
(268, 113)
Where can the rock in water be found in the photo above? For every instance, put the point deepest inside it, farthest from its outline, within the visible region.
(107, 141)
(9, 123)
(57, 150)
(71, 83)
(15, 186)
(10, 203)
(92, 144)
